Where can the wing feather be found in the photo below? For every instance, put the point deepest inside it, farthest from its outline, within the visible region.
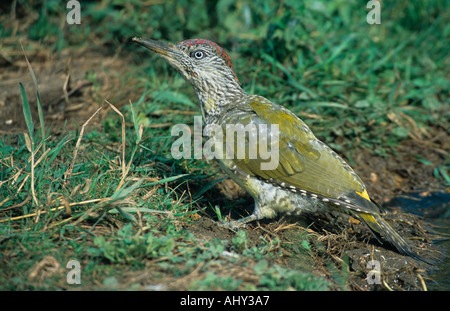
(304, 161)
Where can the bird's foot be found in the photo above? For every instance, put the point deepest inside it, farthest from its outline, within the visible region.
(235, 225)
(232, 225)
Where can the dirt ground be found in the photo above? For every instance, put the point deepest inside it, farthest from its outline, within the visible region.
(70, 96)
(69, 84)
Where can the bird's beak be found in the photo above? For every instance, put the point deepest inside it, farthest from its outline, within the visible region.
(162, 48)
(171, 53)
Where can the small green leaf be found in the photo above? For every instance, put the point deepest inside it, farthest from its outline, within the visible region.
(305, 244)
(261, 266)
(400, 132)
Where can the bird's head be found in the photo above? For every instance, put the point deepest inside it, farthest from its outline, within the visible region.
(205, 65)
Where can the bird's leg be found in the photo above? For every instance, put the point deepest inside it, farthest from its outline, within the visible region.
(236, 224)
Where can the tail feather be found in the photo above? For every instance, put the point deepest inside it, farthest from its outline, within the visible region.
(377, 224)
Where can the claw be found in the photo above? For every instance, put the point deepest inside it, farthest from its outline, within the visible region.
(232, 225)
(235, 225)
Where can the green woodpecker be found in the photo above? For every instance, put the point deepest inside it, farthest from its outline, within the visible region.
(309, 175)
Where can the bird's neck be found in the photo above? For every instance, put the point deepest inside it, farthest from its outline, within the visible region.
(214, 97)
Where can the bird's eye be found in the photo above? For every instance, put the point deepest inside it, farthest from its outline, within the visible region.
(199, 54)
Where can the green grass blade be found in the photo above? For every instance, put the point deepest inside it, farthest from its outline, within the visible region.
(207, 187)
(38, 97)
(125, 191)
(52, 154)
(40, 113)
(164, 180)
(27, 111)
(135, 123)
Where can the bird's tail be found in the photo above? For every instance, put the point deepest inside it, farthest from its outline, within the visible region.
(377, 224)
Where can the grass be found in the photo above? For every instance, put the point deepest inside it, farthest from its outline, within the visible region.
(112, 196)
(101, 208)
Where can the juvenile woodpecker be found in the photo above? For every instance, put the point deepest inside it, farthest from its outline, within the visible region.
(309, 175)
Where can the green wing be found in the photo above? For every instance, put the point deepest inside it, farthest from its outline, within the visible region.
(304, 162)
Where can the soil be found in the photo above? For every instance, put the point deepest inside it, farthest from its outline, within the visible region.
(69, 83)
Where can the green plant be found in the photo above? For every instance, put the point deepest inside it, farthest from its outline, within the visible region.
(127, 248)
(279, 278)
